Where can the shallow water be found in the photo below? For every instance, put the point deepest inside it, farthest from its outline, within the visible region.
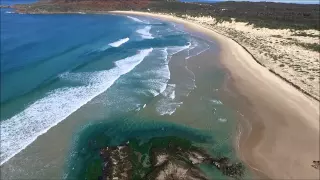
(64, 74)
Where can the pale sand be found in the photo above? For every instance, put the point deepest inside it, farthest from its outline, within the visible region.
(285, 122)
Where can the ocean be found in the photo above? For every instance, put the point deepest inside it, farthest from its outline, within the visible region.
(63, 75)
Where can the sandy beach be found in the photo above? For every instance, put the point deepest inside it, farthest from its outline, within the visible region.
(283, 139)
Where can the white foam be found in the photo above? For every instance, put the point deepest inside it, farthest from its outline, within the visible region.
(167, 105)
(76, 77)
(216, 102)
(145, 32)
(172, 95)
(155, 79)
(22, 129)
(169, 92)
(155, 86)
(222, 119)
(119, 42)
(165, 108)
(9, 12)
(176, 49)
(114, 44)
(135, 19)
(193, 44)
(137, 107)
(198, 53)
(153, 92)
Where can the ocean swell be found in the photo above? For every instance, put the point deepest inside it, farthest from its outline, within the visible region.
(22, 129)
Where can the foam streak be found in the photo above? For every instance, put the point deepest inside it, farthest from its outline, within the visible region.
(119, 42)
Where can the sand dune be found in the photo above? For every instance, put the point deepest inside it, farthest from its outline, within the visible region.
(283, 51)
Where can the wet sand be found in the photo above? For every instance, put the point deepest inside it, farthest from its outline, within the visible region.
(282, 138)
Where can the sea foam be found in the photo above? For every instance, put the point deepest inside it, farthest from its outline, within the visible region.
(119, 42)
(135, 19)
(145, 32)
(168, 103)
(23, 128)
(203, 49)
(157, 75)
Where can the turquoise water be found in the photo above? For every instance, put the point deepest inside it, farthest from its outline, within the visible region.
(82, 67)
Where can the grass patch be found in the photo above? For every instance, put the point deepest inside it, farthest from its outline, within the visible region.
(310, 46)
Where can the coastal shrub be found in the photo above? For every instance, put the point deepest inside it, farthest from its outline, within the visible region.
(277, 36)
(311, 46)
(260, 14)
(305, 34)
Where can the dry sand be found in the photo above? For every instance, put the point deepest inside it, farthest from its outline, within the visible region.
(284, 138)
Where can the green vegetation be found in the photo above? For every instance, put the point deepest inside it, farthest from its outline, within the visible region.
(305, 34)
(311, 46)
(260, 14)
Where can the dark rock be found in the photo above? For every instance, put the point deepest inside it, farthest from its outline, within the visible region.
(171, 161)
(116, 163)
(316, 164)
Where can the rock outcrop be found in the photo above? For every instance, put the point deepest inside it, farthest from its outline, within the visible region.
(171, 160)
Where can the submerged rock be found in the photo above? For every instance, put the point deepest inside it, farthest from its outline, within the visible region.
(172, 159)
(121, 151)
(174, 163)
(116, 163)
(316, 164)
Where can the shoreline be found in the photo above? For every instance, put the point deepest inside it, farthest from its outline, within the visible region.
(274, 145)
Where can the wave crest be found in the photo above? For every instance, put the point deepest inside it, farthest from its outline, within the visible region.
(145, 32)
(135, 19)
(119, 42)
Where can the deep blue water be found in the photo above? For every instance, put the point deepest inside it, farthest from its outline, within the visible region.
(12, 2)
(31, 47)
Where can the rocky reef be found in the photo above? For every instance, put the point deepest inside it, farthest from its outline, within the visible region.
(150, 151)
(168, 158)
